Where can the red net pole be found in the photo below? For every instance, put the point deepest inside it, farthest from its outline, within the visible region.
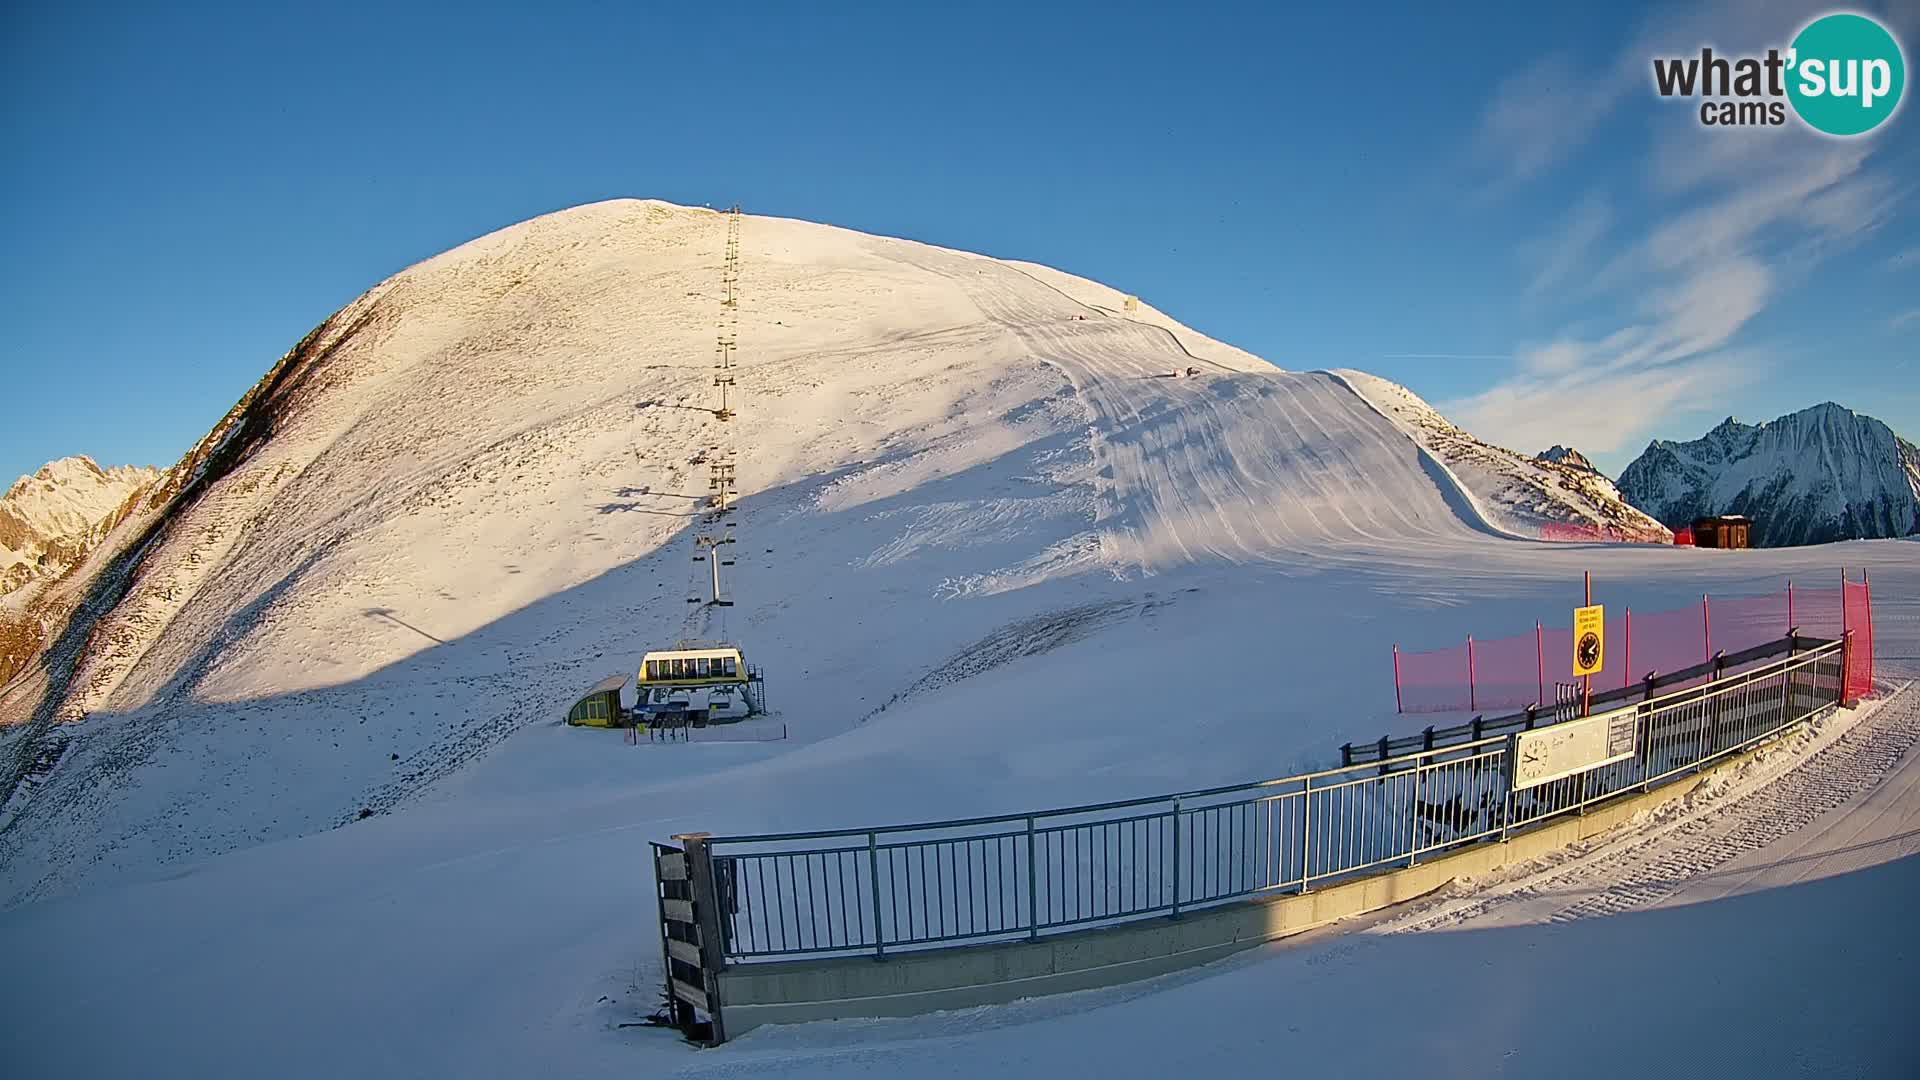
(1706, 626)
(1471, 698)
(1843, 601)
(1789, 605)
(1540, 662)
(1396, 680)
(1866, 589)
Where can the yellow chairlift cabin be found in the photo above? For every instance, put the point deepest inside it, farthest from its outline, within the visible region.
(698, 682)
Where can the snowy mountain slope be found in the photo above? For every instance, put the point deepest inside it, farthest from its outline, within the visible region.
(1824, 473)
(1519, 494)
(48, 521)
(468, 494)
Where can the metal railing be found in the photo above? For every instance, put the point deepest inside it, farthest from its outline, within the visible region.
(935, 884)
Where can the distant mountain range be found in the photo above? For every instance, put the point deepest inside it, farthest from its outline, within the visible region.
(1821, 474)
(50, 520)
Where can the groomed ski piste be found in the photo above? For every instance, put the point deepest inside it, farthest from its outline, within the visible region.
(994, 556)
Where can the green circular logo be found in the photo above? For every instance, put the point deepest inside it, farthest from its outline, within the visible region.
(1846, 74)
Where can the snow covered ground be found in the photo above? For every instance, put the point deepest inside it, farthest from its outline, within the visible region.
(993, 557)
(499, 927)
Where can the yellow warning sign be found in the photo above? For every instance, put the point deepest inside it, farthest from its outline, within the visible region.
(1589, 639)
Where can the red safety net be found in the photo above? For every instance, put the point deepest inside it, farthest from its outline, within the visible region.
(1433, 681)
(1857, 608)
(1683, 537)
(1582, 532)
(1513, 672)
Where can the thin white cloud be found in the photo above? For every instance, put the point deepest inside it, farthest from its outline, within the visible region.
(1710, 307)
(1540, 116)
(1570, 247)
(1905, 318)
(1445, 356)
(1727, 225)
(1599, 412)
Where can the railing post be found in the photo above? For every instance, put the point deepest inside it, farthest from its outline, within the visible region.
(1846, 659)
(1384, 754)
(1413, 805)
(1176, 858)
(1647, 771)
(873, 881)
(1506, 777)
(706, 914)
(1711, 744)
(1033, 889)
(1346, 755)
(1793, 673)
(1306, 833)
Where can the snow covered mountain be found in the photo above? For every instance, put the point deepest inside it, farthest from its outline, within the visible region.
(471, 493)
(1521, 495)
(1822, 474)
(1566, 455)
(49, 520)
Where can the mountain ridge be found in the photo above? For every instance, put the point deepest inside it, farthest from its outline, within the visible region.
(50, 518)
(1820, 474)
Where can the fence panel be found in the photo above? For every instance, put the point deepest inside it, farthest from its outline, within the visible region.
(945, 883)
(1741, 622)
(1509, 672)
(1857, 605)
(1434, 681)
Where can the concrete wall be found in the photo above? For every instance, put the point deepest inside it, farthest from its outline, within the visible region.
(909, 983)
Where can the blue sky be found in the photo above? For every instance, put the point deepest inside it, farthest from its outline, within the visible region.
(1490, 206)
